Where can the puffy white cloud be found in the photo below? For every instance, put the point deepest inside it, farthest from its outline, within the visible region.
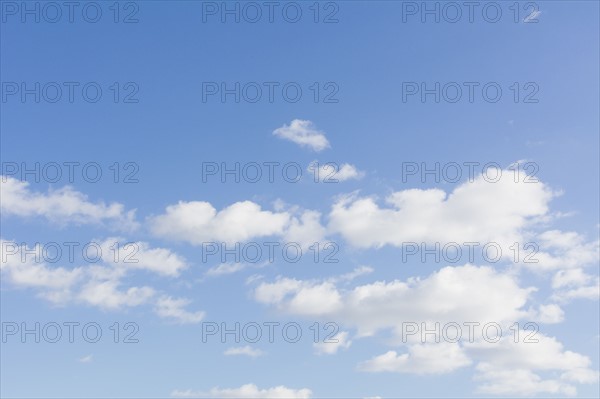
(62, 206)
(244, 350)
(531, 351)
(332, 172)
(173, 308)
(247, 391)
(23, 271)
(331, 345)
(581, 376)
(444, 296)
(141, 256)
(300, 297)
(421, 359)
(197, 222)
(305, 230)
(451, 295)
(303, 133)
(549, 314)
(513, 367)
(475, 211)
(106, 294)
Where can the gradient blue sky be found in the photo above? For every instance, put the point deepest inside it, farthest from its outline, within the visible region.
(170, 132)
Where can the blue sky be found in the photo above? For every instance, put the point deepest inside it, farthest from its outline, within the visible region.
(362, 62)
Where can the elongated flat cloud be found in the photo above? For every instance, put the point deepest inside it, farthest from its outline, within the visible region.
(244, 351)
(247, 391)
(174, 309)
(421, 359)
(303, 133)
(63, 206)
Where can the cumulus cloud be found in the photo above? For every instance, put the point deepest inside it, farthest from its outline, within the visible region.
(549, 314)
(445, 295)
(304, 133)
(305, 230)
(197, 222)
(63, 206)
(247, 391)
(518, 368)
(460, 295)
(141, 256)
(475, 211)
(106, 294)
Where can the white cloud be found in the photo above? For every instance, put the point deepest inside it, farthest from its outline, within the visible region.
(520, 382)
(564, 250)
(570, 278)
(476, 211)
(62, 206)
(331, 172)
(549, 314)
(25, 272)
(581, 376)
(247, 391)
(444, 296)
(421, 359)
(99, 284)
(173, 308)
(543, 353)
(225, 268)
(245, 351)
(197, 222)
(357, 272)
(331, 345)
(85, 359)
(591, 292)
(106, 294)
(514, 368)
(305, 230)
(141, 256)
(303, 133)
(453, 294)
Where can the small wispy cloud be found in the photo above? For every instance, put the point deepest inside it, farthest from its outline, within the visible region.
(86, 359)
(244, 351)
